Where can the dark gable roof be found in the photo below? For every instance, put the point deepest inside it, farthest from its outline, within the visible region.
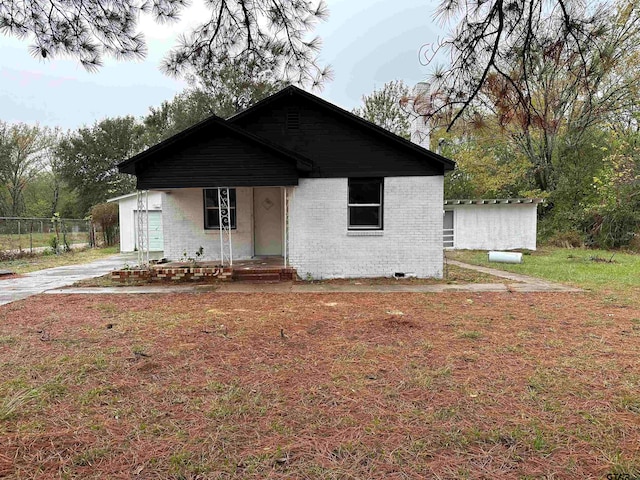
(392, 138)
(254, 148)
(155, 152)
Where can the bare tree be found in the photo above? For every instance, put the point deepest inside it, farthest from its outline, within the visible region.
(271, 32)
(553, 76)
(492, 34)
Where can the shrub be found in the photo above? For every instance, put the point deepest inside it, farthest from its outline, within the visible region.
(568, 239)
(612, 226)
(634, 244)
(105, 217)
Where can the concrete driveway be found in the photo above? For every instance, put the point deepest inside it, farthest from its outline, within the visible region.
(33, 283)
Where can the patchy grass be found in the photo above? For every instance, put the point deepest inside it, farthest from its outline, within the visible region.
(40, 262)
(590, 269)
(25, 241)
(457, 385)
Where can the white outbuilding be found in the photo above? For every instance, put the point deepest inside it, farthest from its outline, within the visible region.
(128, 209)
(491, 224)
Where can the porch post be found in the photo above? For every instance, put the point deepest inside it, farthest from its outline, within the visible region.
(146, 215)
(284, 223)
(229, 228)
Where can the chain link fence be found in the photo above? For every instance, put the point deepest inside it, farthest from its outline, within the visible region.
(34, 235)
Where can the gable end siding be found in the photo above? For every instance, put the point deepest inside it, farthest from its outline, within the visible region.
(214, 160)
(337, 147)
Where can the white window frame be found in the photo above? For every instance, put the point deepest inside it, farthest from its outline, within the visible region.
(217, 209)
(380, 225)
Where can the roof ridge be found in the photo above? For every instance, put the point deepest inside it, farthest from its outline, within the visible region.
(345, 113)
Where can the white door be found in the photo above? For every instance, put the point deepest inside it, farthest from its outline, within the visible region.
(448, 233)
(156, 241)
(267, 217)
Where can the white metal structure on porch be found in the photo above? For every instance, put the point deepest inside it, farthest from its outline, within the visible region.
(224, 212)
(142, 225)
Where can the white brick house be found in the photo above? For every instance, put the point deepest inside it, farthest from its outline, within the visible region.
(330, 194)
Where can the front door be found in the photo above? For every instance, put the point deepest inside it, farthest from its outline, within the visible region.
(267, 216)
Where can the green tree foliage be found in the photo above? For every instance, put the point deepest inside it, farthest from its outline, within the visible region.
(89, 158)
(171, 117)
(554, 82)
(236, 85)
(615, 219)
(223, 93)
(24, 153)
(552, 93)
(383, 107)
(270, 32)
(485, 167)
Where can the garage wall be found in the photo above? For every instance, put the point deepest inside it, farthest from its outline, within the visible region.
(495, 226)
(127, 207)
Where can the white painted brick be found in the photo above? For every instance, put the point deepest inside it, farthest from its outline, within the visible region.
(319, 244)
(183, 225)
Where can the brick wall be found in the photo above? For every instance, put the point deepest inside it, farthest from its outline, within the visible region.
(183, 225)
(320, 245)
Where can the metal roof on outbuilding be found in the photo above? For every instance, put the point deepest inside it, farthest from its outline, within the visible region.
(493, 201)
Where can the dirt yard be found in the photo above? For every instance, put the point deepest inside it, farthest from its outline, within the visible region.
(329, 386)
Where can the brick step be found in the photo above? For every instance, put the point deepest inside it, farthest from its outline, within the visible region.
(255, 277)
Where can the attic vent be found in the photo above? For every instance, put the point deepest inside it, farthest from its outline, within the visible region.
(293, 120)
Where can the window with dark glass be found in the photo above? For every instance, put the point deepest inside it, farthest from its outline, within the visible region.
(212, 208)
(365, 203)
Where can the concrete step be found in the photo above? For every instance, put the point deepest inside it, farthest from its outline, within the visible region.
(256, 277)
(250, 270)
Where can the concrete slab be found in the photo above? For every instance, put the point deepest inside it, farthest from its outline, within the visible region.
(52, 280)
(527, 283)
(33, 283)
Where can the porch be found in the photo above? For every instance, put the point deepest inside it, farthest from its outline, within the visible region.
(227, 225)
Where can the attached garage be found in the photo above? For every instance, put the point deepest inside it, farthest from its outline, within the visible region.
(128, 209)
(490, 224)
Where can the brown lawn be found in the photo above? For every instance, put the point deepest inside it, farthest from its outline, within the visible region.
(344, 386)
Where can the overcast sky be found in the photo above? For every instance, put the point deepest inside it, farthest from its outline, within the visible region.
(367, 42)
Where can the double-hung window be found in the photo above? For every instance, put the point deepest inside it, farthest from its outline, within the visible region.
(212, 208)
(365, 203)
